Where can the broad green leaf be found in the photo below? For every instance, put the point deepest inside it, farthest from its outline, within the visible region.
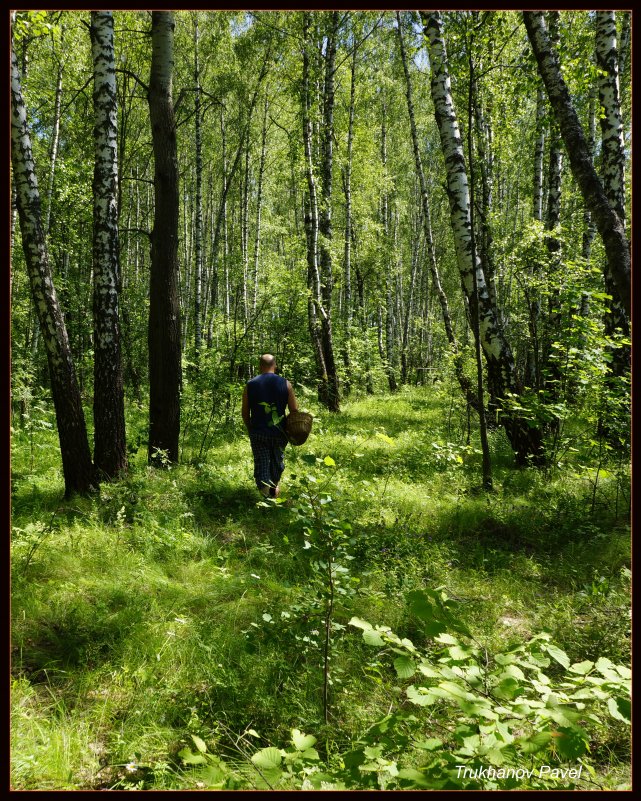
(190, 758)
(447, 639)
(581, 667)
(329, 461)
(405, 667)
(302, 741)
(200, 744)
(268, 758)
(556, 653)
(607, 668)
(372, 637)
(429, 745)
(571, 742)
(213, 776)
(420, 699)
(537, 742)
(620, 708)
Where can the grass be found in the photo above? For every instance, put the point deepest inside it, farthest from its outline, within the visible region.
(172, 604)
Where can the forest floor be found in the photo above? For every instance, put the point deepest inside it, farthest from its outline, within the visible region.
(168, 629)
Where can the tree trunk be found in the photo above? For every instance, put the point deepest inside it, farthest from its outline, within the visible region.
(110, 444)
(318, 221)
(387, 355)
(526, 442)
(325, 217)
(463, 380)
(164, 306)
(198, 234)
(607, 221)
(347, 186)
(53, 153)
(77, 467)
(613, 175)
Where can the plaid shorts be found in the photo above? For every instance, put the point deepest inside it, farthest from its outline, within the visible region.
(269, 461)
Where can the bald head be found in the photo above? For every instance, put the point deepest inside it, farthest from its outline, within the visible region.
(267, 363)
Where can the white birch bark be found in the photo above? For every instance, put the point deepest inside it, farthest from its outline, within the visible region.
(110, 447)
(607, 221)
(72, 432)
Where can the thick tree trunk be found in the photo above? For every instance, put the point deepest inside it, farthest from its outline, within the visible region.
(164, 306)
(110, 444)
(607, 221)
(77, 467)
(526, 442)
(613, 175)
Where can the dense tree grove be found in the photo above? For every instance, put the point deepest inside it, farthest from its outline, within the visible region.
(364, 194)
(425, 216)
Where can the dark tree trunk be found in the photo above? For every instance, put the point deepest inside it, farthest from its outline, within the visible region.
(164, 306)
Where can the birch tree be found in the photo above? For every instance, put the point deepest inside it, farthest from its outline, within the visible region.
(110, 446)
(606, 219)
(526, 441)
(77, 467)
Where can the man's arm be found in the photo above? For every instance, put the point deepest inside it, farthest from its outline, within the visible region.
(245, 409)
(291, 399)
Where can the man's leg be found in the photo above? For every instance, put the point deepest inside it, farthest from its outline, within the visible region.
(262, 460)
(276, 466)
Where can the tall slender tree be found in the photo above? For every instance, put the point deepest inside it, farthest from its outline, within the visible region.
(606, 219)
(78, 470)
(164, 304)
(527, 441)
(110, 445)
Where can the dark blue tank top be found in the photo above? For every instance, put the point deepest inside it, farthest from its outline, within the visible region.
(267, 388)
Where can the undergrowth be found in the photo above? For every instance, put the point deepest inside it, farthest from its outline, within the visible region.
(173, 632)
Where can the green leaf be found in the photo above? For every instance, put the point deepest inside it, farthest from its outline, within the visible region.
(404, 667)
(309, 458)
(268, 758)
(416, 697)
(607, 668)
(329, 461)
(191, 759)
(302, 741)
(447, 639)
(200, 744)
(582, 668)
(429, 745)
(620, 709)
(214, 776)
(537, 742)
(372, 637)
(556, 653)
(571, 742)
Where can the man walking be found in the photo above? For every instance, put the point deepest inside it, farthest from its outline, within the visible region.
(263, 409)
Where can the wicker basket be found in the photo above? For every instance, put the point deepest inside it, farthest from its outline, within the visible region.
(298, 426)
